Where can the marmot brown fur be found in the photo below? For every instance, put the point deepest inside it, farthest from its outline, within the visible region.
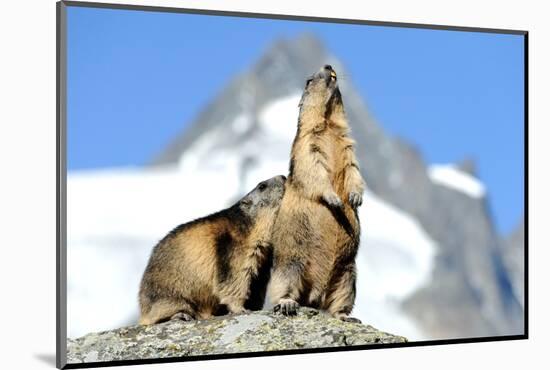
(316, 234)
(214, 264)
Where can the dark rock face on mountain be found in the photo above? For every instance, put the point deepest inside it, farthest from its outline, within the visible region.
(470, 286)
(470, 292)
(513, 251)
(255, 332)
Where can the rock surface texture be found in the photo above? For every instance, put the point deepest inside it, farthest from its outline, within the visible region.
(254, 332)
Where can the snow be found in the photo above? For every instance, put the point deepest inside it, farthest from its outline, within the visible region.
(395, 259)
(115, 217)
(397, 252)
(241, 124)
(280, 118)
(451, 177)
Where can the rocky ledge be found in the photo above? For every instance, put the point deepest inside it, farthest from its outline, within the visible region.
(253, 332)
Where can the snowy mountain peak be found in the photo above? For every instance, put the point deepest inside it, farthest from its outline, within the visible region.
(279, 73)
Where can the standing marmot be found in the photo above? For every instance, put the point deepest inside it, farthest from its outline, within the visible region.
(316, 234)
(219, 260)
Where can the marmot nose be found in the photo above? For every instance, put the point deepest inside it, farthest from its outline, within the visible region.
(282, 177)
(328, 73)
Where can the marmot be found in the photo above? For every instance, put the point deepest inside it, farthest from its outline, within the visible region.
(316, 234)
(214, 264)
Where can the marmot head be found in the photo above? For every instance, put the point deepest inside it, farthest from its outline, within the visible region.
(266, 195)
(320, 89)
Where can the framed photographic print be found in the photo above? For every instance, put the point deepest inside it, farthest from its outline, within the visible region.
(235, 184)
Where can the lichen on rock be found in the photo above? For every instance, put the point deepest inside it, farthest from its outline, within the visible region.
(252, 332)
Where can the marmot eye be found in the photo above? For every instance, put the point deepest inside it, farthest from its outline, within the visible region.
(262, 186)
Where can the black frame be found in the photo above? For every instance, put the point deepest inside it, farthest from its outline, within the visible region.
(61, 173)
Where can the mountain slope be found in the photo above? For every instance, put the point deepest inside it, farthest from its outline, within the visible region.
(513, 251)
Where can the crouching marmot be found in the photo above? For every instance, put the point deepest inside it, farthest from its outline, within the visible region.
(316, 234)
(214, 264)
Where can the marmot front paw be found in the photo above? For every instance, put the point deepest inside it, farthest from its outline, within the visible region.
(355, 199)
(182, 316)
(236, 308)
(240, 311)
(333, 200)
(347, 318)
(287, 307)
(350, 319)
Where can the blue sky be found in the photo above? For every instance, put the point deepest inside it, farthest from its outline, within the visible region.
(452, 94)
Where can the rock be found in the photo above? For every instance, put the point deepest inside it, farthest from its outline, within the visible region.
(513, 251)
(252, 332)
(469, 166)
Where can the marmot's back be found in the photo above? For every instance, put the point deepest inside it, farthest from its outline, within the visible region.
(209, 263)
(182, 264)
